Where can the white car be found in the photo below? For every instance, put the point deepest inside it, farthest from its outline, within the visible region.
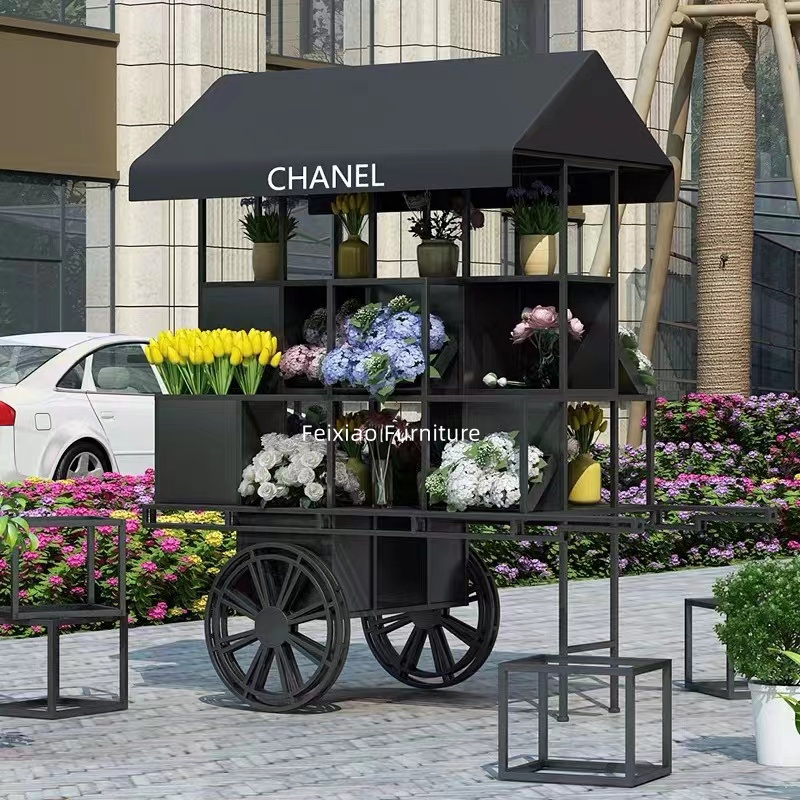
(74, 404)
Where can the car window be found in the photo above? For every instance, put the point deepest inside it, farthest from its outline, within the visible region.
(123, 368)
(17, 361)
(74, 378)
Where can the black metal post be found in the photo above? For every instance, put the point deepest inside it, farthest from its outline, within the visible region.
(282, 238)
(687, 641)
(613, 613)
(563, 332)
(466, 233)
(666, 716)
(630, 725)
(372, 233)
(202, 263)
(90, 565)
(543, 703)
(563, 624)
(53, 667)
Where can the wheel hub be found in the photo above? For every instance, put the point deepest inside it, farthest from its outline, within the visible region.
(272, 627)
(426, 619)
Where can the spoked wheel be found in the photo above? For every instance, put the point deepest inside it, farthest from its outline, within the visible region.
(277, 627)
(457, 647)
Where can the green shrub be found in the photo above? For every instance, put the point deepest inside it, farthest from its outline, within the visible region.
(761, 606)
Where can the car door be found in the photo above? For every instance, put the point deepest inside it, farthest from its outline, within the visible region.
(122, 392)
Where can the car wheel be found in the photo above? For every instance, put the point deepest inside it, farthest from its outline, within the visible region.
(81, 460)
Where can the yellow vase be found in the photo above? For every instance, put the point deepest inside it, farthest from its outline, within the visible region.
(353, 258)
(538, 254)
(584, 480)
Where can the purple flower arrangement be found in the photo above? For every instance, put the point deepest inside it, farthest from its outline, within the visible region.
(383, 347)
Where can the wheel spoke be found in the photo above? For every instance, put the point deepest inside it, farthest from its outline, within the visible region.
(257, 674)
(469, 635)
(442, 655)
(382, 626)
(263, 582)
(236, 641)
(409, 658)
(291, 679)
(314, 650)
(313, 611)
(288, 587)
(240, 603)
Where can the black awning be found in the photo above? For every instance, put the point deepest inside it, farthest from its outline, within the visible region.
(462, 124)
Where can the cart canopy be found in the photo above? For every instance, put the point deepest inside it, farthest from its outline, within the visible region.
(439, 125)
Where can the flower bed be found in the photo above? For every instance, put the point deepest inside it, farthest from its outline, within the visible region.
(712, 450)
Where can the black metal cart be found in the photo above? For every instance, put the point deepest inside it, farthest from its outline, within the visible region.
(278, 615)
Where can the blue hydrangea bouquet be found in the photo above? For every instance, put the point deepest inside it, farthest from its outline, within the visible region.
(383, 347)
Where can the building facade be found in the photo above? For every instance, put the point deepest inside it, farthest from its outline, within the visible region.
(131, 267)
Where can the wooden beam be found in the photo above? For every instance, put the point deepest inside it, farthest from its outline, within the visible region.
(735, 10)
(642, 101)
(682, 21)
(659, 268)
(790, 81)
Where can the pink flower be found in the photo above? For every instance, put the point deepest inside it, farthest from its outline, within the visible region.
(55, 580)
(77, 590)
(170, 577)
(521, 332)
(794, 545)
(113, 581)
(158, 611)
(77, 560)
(541, 317)
(148, 567)
(576, 328)
(169, 544)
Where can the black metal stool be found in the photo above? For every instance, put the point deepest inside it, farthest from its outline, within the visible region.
(627, 773)
(728, 689)
(52, 617)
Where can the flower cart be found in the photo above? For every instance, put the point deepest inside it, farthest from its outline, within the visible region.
(321, 540)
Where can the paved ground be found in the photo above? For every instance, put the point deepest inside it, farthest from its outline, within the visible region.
(377, 740)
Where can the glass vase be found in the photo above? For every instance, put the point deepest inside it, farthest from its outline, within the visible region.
(542, 373)
(382, 482)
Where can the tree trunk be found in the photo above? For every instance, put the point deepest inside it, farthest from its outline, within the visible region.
(726, 205)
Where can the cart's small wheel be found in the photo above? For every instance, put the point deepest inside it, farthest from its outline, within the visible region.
(398, 640)
(277, 627)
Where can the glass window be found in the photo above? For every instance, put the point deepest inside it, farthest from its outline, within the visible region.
(87, 13)
(18, 361)
(123, 369)
(74, 378)
(55, 252)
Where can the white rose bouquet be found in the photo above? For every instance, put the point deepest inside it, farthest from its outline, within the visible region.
(482, 474)
(291, 470)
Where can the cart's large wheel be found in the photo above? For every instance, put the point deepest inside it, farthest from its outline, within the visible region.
(277, 627)
(398, 640)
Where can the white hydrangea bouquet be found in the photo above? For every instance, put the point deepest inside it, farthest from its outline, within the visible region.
(482, 474)
(629, 349)
(291, 470)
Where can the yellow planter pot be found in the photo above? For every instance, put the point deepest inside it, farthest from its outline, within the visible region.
(266, 261)
(538, 254)
(362, 473)
(353, 258)
(584, 480)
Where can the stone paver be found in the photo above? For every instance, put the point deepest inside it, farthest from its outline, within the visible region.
(376, 739)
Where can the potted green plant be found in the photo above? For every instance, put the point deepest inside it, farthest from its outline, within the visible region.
(536, 214)
(438, 232)
(760, 605)
(262, 224)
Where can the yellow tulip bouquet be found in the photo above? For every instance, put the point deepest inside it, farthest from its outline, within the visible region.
(585, 423)
(352, 210)
(191, 361)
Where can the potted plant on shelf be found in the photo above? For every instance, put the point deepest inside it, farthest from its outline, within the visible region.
(585, 424)
(353, 254)
(536, 213)
(261, 224)
(484, 473)
(636, 369)
(539, 327)
(760, 606)
(438, 231)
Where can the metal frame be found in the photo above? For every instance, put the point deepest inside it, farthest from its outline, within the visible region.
(543, 769)
(728, 689)
(54, 705)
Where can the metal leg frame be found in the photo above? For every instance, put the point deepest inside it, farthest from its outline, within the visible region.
(612, 645)
(730, 688)
(54, 706)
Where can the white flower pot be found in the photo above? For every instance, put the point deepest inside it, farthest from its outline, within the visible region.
(777, 739)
